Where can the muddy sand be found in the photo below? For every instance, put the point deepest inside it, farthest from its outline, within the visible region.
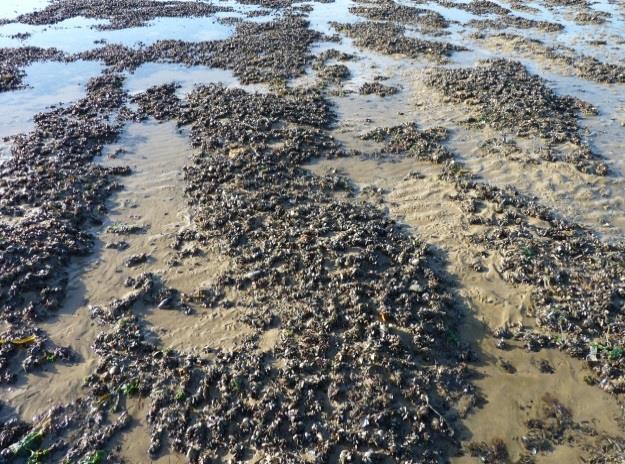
(327, 231)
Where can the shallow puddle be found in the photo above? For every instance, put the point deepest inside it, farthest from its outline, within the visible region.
(46, 84)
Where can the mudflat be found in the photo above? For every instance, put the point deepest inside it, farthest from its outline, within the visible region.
(325, 231)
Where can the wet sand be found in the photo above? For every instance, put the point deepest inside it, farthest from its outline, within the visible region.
(210, 310)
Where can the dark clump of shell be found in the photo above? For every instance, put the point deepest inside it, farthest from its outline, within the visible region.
(276, 4)
(21, 35)
(576, 3)
(584, 66)
(514, 21)
(477, 7)
(332, 54)
(160, 103)
(363, 368)
(389, 38)
(146, 289)
(26, 348)
(377, 88)
(329, 72)
(257, 52)
(507, 97)
(11, 430)
(578, 295)
(592, 17)
(13, 60)
(367, 366)
(262, 52)
(501, 17)
(332, 73)
(554, 425)
(410, 140)
(490, 453)
(502, 146)
(50, 191)
(120, 13)
(388, 10)
(67, 433)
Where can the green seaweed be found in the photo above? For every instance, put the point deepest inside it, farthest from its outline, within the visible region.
(616, 353)
(97, 457)
(27, 444)
(131, 388)
(37, 456)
